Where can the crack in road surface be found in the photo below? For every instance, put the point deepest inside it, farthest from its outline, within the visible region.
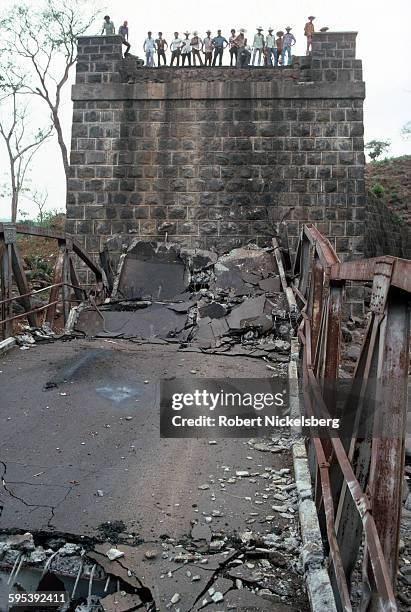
(51, 507)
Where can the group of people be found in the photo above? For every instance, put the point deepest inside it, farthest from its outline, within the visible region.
(269, 49)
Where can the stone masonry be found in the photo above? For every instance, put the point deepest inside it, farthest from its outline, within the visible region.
(213, 157)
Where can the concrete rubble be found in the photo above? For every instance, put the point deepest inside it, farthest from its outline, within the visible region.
(232, 304)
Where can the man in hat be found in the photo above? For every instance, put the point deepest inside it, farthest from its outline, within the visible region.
(270, 47)
(196, 44)
(219, 44)
(186, 50)
(149, 47)
(239, 43)
(258, 45)
(123, 32)
(233, 48)
(288, 42)
(108, 26)
(308, 32)
(207, 49)
(278, 47)
(175, 47)
(161, 45)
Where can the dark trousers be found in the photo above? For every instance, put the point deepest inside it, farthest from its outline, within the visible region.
(218, 52)
(185, 56)
(207, 59)
(233, 56)
(175, 55)
(196, 55)
(127, 45)
(161, 54)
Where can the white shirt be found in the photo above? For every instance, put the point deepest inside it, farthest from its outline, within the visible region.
(258, 41)
(270, 41)
(186, 46)
(149, 44)
(175, 44)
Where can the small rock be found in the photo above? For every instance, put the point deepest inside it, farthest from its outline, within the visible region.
(150, 554)
(217, 597)
(114, 554)
(175, 598)
(242, 473)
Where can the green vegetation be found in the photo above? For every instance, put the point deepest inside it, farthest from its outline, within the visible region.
(378, 190)
(376, 148)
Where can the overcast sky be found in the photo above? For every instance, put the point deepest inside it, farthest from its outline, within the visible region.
(383, 43)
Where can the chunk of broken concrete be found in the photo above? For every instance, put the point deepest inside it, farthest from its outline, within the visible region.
(151, 269)
(253, 313)
(23, 542)
(114, 553)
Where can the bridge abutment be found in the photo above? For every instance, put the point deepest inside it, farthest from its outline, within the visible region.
(212, 157)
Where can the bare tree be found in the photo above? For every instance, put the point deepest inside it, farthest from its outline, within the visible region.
(39, 197)
(21, 142)
(43, 45)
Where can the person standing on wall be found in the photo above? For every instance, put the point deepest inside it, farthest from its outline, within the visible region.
(308, 32)
(123, 32)
(175, 47)
(240, 45)
(288, 42)
(219, 44)
(196, 44)
(186, 50)
(271, 48)
(258, 45)
(279, 47)
(207, 49)
(233, 48)
(161, 45)
(108, 26)
(149, 47)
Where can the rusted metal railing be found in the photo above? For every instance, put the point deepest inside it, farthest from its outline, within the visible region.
(358, 479)
(65, 288)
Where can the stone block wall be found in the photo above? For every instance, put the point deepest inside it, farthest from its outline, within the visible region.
(212, 157)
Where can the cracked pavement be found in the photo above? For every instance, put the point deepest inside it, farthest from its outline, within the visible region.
(80, 446)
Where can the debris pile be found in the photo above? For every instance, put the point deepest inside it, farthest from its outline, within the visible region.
(231, 304)
(29, 336)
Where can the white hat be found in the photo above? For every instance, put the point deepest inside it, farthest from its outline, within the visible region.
(242, 31)
(270, 29)
(195, 33)
(260, 28)
(187, 33)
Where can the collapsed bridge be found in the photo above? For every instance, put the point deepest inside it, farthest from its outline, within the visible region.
(245, 510)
